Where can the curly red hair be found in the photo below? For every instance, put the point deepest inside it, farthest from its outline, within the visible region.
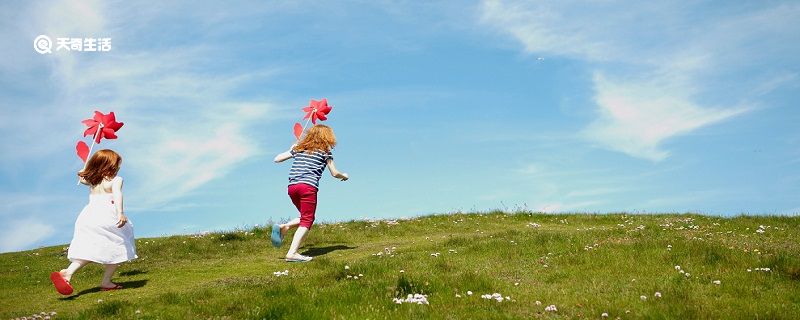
(319, 138)
(103, 164)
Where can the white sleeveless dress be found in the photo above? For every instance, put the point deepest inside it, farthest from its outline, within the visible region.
(97, 237)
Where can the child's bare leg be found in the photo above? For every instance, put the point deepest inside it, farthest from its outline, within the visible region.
(73, 267)
(108, 274)
(299, 236)
(289, 225)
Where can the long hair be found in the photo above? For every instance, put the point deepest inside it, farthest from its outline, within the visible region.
(103, 164)
(319, 138)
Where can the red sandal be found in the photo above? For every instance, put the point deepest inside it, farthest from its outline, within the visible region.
(62, 285)
(115, 287)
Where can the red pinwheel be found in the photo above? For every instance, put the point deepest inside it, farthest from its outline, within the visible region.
(100, 126)
(106, 124)
(317, 110)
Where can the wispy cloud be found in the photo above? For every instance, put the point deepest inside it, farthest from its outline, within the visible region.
(557, 207)
(636, 117)
(186, 124)
(183, 128)
(21, 234)
(652, 61)
(556, 188)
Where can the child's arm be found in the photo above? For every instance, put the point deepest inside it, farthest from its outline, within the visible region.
(285, 155)
(116, 193)
(335, 173)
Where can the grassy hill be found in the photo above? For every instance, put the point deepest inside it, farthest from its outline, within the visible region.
(584, 265)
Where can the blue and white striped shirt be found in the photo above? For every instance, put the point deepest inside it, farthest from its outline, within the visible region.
(308, 167)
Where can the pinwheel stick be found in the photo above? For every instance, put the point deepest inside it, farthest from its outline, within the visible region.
(304, 126)
(94, 138)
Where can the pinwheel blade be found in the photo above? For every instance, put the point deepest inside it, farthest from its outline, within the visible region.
(91, 131)
(83, 150)
(298, 130)
(109, 133)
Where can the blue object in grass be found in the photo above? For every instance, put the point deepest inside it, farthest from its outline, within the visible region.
(276, 235)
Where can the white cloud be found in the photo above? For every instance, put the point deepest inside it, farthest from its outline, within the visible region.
(190, 113)
(21, 203)
(180, 159)
(572, 206)
(636, 117)
(184, 123)
(530, 169)
(22, 234)
(550, 208)
(551, 188)
(655, 62)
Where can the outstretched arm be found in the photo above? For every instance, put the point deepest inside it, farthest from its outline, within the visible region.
(116, 193)
(335, 173)
(284, 155)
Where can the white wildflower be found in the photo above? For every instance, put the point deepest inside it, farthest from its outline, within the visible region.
(469, 293)
(413, 298)
(644, 298)
(281, 273)
(658, 294)
(717, 282)
(551, 308)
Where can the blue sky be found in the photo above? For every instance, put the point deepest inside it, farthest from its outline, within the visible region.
(566, 106)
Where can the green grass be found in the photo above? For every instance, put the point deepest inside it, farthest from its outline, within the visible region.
(583, 264)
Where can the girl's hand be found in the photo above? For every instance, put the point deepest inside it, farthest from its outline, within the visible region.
(344, 177)
(122, 221)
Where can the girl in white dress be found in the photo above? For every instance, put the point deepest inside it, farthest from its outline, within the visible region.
(103, 233)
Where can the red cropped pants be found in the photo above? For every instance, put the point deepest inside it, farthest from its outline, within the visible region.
(304, 197)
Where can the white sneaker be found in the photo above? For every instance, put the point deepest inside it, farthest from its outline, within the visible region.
(298, 258)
